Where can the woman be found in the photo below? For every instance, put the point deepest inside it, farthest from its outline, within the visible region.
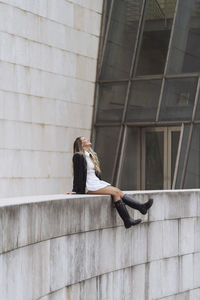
(87, 179)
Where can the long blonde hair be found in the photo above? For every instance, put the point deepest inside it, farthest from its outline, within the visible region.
(79, 148)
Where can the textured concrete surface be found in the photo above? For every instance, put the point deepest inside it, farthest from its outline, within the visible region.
(64, 247)
(48, 58)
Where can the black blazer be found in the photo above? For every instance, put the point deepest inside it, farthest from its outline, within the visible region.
(80, 173)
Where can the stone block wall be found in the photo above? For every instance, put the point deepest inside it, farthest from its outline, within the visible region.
(48, 58)
(76, 248)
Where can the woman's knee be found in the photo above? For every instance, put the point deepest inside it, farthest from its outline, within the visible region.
(119, 192)
(116, 193)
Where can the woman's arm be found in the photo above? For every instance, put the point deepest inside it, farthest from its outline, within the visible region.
(80, 172)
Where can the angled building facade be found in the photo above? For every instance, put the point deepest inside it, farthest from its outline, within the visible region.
(146, 124)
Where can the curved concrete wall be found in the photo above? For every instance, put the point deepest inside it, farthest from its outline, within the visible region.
(75, 247)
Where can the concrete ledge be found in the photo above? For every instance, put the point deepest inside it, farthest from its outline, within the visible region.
(67, 245)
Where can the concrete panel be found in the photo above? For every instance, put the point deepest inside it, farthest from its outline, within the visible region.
(34, 164)
(46, 31)
(72, 114)
(137, 286)
(139, 243)
(25, 52)
(73, 292)
(42, 84)
(33, 263)
(190, 295)
(86, 20)
(62, 12)
(158, 213)
(170, 238)
(197, 234)
(186, 235)
(187, 272)
(195, 294)
(155, 237)
(196, 269)
(34, 186)
(95, 5)
(163, 278)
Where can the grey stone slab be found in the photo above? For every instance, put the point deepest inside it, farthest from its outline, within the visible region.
(170, 238)
(162, 239)
(139, 243)
(196, 268)
(188, 206)
(155, 280)
(186, 265)
(172, 206)
(155, 240)
(157, 211)
(58, 295)
(186, 236)
(73, 292)
(25, 272)
(189, 295)
(163, 278)
(100, 210)
(10, 228)
(89, 289)
(195, 294)
(197, 234)
(137, 285)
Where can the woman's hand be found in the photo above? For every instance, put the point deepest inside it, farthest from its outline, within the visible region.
(70, 193)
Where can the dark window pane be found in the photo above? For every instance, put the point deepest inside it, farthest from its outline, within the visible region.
(111, 102)
(178, 99)
(182, 156)
(130, 174)
(155, 39)
(185, 51)
(154, 159)
(121, 39)
(192, 175)
(105, 146)
(197, 115)
(107, 13)
(143, 101)
(174, 149)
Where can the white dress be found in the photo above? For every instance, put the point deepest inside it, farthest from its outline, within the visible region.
(93, 183)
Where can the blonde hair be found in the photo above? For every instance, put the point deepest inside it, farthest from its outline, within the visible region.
(79, 148)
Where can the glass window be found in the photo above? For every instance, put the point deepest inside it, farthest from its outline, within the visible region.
(154, 159)
(111, 102)
(175, 135)
(182, 156)
(197, 115)
(106, 14)
(155, 39)
(130, 174)
(121, 39)
(185, 50)
(178, 99)
(143, 100)
(192, 174)
(105, 146)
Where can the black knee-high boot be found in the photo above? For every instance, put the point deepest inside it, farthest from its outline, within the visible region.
(142, 207)
(123, 212)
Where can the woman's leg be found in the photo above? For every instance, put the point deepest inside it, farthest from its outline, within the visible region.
(119, 204)
(127, 199)
(109, 190)
(132, 202)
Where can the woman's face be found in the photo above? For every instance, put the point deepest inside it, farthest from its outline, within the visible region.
(85, 143)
